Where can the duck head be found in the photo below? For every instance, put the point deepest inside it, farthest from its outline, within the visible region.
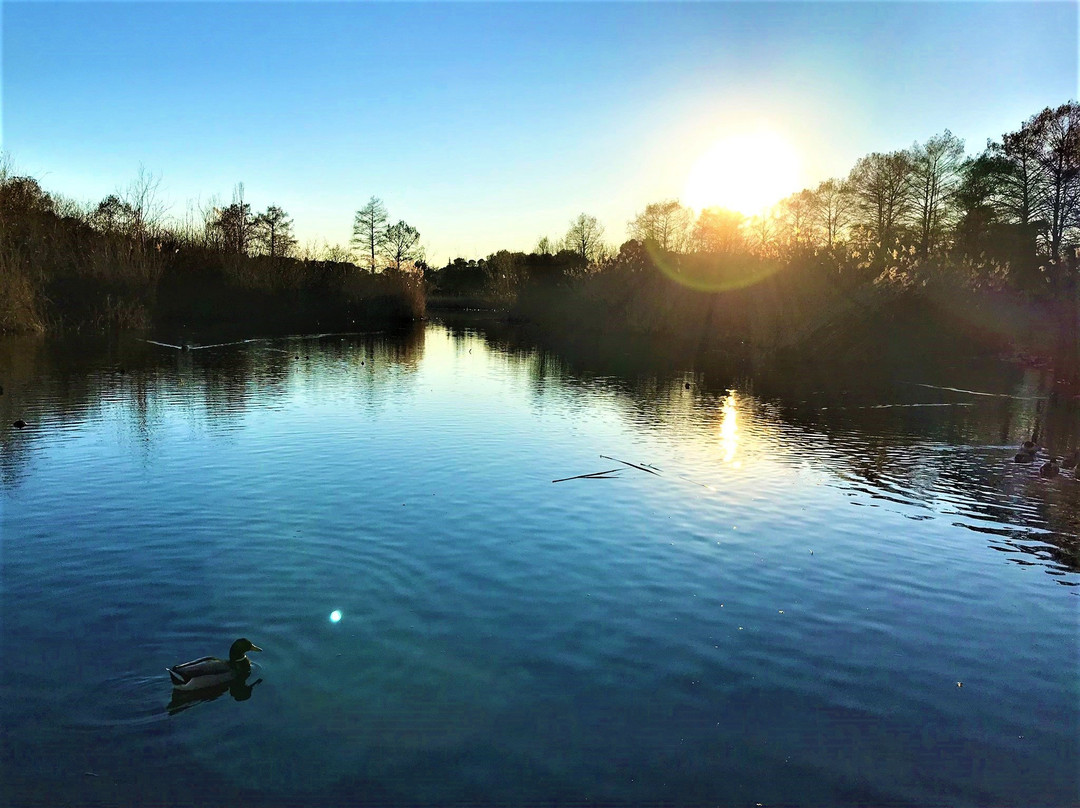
(240, 648)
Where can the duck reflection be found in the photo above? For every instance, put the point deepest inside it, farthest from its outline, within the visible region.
(182, 700)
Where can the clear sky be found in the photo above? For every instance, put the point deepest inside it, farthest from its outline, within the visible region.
(487, 125)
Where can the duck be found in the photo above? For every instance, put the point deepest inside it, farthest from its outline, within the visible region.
(213, 672)
(1049, 468)
(1070, 460)
(1027, 452)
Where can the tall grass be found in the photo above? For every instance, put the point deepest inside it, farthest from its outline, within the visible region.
(62, 270)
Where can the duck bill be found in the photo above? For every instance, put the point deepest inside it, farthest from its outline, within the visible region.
(254, 647)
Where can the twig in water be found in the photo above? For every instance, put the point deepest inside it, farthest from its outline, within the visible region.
(596, 475)
(649, 467)
(631, 465)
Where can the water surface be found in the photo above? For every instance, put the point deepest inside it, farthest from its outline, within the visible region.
(783, 613)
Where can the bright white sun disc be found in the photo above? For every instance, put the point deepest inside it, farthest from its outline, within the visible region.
(746, 172)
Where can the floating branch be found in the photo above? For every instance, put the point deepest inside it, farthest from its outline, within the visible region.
(596, 475)
(631, 465)
(649, 467)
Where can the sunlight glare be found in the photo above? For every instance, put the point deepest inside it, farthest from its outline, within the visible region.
(729, 428)
(335, 616)
(745, 172)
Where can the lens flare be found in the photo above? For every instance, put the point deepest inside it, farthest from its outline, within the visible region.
(713, 273)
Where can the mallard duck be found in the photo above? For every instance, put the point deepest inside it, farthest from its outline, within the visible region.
(213, 672)
(1071, 459)
(1027, 452)
(1050, 468)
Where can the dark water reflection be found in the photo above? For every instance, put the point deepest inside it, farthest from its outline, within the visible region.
(780, 614)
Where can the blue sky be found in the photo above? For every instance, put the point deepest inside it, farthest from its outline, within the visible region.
(487, 125)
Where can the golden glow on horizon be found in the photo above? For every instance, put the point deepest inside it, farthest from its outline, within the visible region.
(747, 172)
(729, 428)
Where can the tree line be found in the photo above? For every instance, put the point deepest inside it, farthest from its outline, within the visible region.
(986, 246)
(1016, 202)
(123, 263)
(1007, 218)
(137, 213)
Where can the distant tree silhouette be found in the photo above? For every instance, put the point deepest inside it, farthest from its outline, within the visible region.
(795, 215)
(881, 186)
(368, 229)
(585, 236)
(666, 223)
(272, 230)
(981, 215)
(718, 231)
(400, 244)
(113, 215)
(147, 210)
(335, 253)
(935, 178)
(1058, 158)
(234, 223)
(761, 231)
(831, 209)
(1019, 153)
(545, 246)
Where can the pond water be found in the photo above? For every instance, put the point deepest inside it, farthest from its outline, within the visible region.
(797, 595)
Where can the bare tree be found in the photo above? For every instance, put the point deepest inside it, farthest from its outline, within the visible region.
(831, 209)
(667, 224)
(545, 246)
(1018, 181)
(935, 178)
(147, 210)
(585, 236)
(1058, 158)
(762, 232)
(368, 229)
(335, 253)
(212, 236)
(795, 216)
(719, 231)
(881, 186)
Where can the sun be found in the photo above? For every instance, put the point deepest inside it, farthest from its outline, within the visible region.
(746, 172)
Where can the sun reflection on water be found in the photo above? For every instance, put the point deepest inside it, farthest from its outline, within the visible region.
(729, 428)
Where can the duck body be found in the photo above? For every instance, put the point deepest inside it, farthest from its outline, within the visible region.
(1070, 460)
(1027, 452)
(1049, 469)
(210, 672)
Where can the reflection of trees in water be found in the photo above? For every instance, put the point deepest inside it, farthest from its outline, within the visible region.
(60, 384)
(951, 461)
(868, 425)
